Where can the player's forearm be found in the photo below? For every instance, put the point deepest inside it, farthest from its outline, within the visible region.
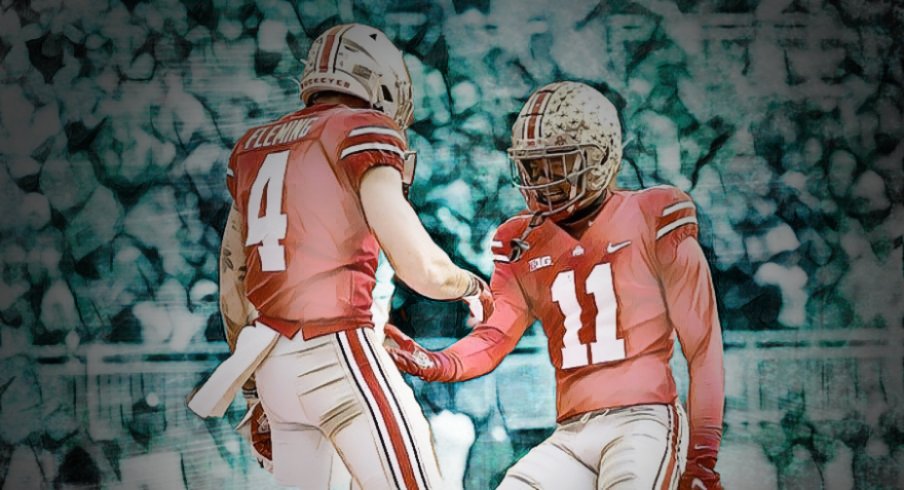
(416, 259)
(480, 352)
(692, 309)
(234, 306)
(706, 395)
(434, 275)
(488, 344)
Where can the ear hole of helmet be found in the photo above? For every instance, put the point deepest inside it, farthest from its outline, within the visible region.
(387, 95)
(601, 170)
(595, 156)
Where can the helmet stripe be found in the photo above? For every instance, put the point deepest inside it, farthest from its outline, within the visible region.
(327, 41)
(542, 105)
(526, 115)
(338, 44)
(536, 113)
(327, 48)
(531, 121)
(531, 126)
(541, 97)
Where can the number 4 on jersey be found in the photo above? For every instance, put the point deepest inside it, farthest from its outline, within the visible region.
(607, 347)
(270, 228)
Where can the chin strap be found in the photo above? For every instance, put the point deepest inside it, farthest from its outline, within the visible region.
(520, 245)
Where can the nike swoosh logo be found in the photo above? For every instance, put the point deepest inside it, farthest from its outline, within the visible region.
(615, 247)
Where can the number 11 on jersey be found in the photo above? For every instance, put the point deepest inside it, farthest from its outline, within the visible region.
(607, 347)
(270, 228)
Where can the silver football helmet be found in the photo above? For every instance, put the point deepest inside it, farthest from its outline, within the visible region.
(566, 148)
(359, 60)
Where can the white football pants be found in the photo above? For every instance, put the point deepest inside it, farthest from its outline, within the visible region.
(343, 391)
(642, 447)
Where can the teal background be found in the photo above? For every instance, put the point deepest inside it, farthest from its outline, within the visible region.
(782, 119)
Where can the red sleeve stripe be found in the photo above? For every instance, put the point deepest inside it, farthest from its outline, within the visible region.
(499, 252)
(665, 230)
(359, 143)
(381, 130)
(351, 150)
(677, 207)
(673, 459)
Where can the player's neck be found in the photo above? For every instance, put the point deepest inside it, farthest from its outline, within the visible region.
(335, 98)
(580, 221)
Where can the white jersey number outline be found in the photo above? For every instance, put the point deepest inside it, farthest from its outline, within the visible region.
(607, 347)
(269, 229)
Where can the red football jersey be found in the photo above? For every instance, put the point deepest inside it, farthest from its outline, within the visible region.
(610, 304)
(310, 255)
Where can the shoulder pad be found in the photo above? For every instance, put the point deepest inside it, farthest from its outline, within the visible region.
(505, 239)
(356, 118)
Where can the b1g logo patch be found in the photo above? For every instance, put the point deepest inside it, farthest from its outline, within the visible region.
(539, 263)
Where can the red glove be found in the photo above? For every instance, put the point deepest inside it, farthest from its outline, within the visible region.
(411, 358)
(479, 299)
(700, 474)
(256, 429)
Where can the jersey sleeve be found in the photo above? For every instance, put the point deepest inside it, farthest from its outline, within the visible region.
(690, 297)
(507, 239)
(487, 345)
(369, 139)
(673, 218)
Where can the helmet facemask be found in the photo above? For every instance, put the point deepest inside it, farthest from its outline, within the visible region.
(557, 181)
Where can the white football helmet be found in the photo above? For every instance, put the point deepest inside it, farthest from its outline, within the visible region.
(566, 148)
(359, 60)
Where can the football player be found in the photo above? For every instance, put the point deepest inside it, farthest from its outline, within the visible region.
(317, 193)
(613, 276)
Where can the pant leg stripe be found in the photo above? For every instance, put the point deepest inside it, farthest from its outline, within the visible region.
(672, 463)
(345, 349)
(410, 441)
(400, 454)
(661, 479)
(680, 457)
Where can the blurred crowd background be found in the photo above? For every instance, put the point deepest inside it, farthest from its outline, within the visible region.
(781, 118)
